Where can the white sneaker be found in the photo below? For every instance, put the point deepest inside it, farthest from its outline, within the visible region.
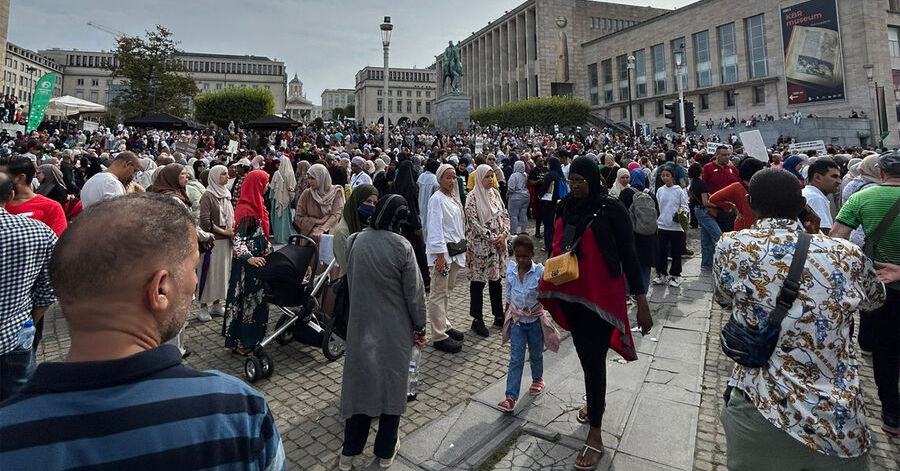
(218, 309)
(203, 314)
(629, 300)
(385, 463)
(659, 280)
(674, 281)
(345, 463)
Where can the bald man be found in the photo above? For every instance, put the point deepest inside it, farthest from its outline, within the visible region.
(120, 398)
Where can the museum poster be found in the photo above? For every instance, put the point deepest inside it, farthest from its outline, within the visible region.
(813, 65)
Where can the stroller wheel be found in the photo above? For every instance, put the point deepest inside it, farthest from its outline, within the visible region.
(268, 366)
(332, 343)
(287, 336)
(253, 369)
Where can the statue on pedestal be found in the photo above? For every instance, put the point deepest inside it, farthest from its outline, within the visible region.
(452, 68)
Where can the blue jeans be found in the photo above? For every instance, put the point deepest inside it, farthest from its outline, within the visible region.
(518, 214)
(645, 278)
(520, 336)
(16, 368)
(709, 235)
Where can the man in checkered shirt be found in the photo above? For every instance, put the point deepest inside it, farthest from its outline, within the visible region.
(25, 290)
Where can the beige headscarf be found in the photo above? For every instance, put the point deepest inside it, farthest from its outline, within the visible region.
(868, 169)
(618, 187)
(325, 192)
(221, 195)
(485, 197)
(284, 182)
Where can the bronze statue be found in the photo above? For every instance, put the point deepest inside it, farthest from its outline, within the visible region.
(452, 68)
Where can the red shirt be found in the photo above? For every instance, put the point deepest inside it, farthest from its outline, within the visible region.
(717, 177)
(735, 194)
(42, 209)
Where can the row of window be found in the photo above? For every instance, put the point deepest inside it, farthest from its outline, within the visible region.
(757, 63)
(408, 93)
(729, 99)
(409, 105)
(610, 24)
(189, 65)
(398, 76)
(32, 56)
(24, 94)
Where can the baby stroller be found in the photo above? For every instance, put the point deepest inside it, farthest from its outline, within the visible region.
(302, 319)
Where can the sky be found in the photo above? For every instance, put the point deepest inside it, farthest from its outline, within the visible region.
(325, 42)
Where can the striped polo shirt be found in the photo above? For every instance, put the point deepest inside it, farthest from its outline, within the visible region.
(143, 412)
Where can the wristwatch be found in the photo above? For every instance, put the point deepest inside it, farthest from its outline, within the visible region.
(420, 332)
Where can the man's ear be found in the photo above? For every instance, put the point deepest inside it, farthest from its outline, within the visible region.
(157, 292)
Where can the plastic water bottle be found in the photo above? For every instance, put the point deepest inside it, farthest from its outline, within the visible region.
(26, 336)
(412, 384)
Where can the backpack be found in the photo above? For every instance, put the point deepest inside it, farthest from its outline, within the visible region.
(642, 213)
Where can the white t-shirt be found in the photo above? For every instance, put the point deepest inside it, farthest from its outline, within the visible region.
(445, 224)
(819, 203)
(102, 186)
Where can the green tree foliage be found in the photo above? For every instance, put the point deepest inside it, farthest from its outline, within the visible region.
(349, 111)
(318, 124)
(154, 79)
(541, 111)
(240, 105)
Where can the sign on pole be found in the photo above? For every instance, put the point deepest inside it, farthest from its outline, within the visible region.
(712, 146)
(803, 147)
(754, 145)
(43, 90)
(813, 59)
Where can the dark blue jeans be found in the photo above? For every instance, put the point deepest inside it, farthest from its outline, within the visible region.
(710, 232)
(520, 336)
(16, 368)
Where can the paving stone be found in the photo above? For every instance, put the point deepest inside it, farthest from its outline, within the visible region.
(533, 453)
(661, 430)
(626, 462)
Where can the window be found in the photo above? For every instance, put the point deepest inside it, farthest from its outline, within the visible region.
(680, 80)
(418, 93)
(427, 93)
(95, 95)
(659, 69)
(729, 98)
(640, 73)
(727, 53)
(95, 82)
(218, 86)
(594, 82)
(78, 94)
(624, 112)
(660, 108)
(894, 5)
(756, 46)
(419, 107)
(399, 106)
(408, 93)
(621, 67)
(390, 93)
(704, 101)
(640, 108)
(380, 91)
(379, 106)
(427, 107)
(606, 71)
(894, 40)
(80, 82)
(759, 94)
(409, 106)
(701, 59)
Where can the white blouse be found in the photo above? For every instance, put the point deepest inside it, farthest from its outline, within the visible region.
(445, 224)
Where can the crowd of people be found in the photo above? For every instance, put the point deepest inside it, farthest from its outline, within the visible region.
(125, 227)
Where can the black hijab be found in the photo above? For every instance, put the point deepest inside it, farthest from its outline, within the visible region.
(578, 211)
(405, 185)
(391, 212)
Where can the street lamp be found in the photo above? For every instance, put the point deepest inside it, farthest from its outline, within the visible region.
(630, 66)
(386, 28)
(31, 70)
(876, 116)
(679, 65)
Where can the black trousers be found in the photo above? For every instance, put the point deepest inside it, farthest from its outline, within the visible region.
(547, 209)
(356, 432)
(476, 299)
(886, 356)
(669, 245)
(590, 334)
(418, 245)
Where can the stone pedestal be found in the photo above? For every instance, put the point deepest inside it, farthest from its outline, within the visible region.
(451, 113)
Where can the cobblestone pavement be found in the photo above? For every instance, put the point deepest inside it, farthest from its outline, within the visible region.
(710, 451)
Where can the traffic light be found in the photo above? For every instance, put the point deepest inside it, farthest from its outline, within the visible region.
(689, 117)
(673, 115)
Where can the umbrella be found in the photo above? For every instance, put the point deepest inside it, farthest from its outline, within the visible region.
(68, 105)
(273, 123)
(158, 121)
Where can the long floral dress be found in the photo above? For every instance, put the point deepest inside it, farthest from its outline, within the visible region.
(485, 262)
(249, 312)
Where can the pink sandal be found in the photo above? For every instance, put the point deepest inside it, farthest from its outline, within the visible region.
(536, 388)
(507, 405)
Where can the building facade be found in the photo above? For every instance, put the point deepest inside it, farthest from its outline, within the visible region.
(22, 69)
(298, 107)
(535, 49)
(735, 62)
(86, 75)
(411, 94)
(4, 27)
(335, 98)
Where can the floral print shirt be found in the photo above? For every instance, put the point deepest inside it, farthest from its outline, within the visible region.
(811, 387)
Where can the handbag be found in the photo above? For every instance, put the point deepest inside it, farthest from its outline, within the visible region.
(563, 268)
(753, 346)
(456, 248)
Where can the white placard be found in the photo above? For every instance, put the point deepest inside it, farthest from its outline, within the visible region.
(712, 146)
(754, 145)
(232, 147)
(479, 144)
(803, 147)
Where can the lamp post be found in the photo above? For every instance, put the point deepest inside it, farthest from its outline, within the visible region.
(386, 28)
(679, 66)
(876, 116)
(31, 70)
(629, 67)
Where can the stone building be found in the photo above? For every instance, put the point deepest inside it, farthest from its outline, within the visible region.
(4, 26)
(298, 107)
(535, 49)
(86, 76)
(735, 62)
(333, 98)
(22, 69)
(411, 94)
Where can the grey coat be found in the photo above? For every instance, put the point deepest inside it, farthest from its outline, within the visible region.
(387, 304)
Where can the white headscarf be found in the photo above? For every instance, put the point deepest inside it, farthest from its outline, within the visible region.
(221, 195)
(454, 191)
(283, 184)
(144, 178)
(485, 197)
(325, 192)
(618, 187)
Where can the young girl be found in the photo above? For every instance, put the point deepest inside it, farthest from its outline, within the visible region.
(673, 203)
(526, 323)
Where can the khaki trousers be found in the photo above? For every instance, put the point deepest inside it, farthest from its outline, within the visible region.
(438, 301)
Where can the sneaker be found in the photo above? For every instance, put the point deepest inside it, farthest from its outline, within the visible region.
(659, 280)
(203, 314)
(345, 463)
(385, 463)
(479, 328)
(498, 322)
(508, 405)
(218, 309)
(629, 300)
(674, 281)
(448, 345)
(456, 335)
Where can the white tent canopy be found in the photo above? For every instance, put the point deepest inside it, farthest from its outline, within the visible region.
(68, 105)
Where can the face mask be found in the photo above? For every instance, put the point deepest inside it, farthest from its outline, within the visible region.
(365, 211)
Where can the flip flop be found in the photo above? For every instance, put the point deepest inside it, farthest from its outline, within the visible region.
(581, 417)
(583, 453)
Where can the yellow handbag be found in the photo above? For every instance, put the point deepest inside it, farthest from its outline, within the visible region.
(561, 269)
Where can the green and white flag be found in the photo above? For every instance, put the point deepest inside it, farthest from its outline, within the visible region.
(43, 90)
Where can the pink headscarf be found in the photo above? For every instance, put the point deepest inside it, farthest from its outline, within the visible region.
(633, 165)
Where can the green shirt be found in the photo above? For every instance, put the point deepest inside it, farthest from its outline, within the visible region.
(867, 208)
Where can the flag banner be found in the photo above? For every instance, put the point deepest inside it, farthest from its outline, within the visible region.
(43, 90)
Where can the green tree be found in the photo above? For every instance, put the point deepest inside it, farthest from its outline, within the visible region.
(318, 124)
(154, 79)
(349, 111)
(240, 105)
(541, 111)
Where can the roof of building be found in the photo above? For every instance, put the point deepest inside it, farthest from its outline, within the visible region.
(33, 56)
(295, 79)
(225, 56)
(639, 24)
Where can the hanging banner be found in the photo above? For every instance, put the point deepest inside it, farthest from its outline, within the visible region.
(43, 90)
(813, 59)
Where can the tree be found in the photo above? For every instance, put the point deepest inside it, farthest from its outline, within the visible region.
(153, 78)
(349, 111)
(318, 123)
(240, 105)
(541, 111)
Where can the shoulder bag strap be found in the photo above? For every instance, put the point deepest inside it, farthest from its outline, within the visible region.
(791, 287)
(876, 235)
(577, 243)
